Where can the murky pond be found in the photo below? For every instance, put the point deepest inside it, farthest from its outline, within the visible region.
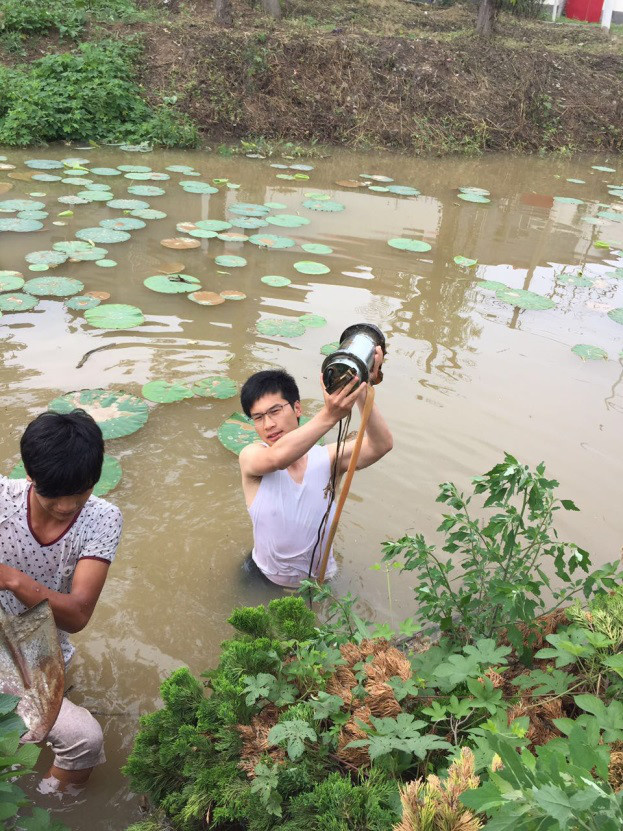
(469, 373)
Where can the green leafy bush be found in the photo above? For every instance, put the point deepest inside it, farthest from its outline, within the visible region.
(68, 17)
(88, 94)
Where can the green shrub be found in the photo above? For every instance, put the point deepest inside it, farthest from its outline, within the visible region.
(68, 17)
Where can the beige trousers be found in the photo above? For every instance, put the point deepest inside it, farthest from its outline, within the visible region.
(76, 738)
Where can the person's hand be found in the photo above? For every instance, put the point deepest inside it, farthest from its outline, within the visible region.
(339, 404)
(376, 375)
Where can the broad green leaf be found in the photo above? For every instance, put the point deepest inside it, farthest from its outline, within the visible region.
(117, 413)
(590, 353)
(216, 386)
(524, 299)
(165, 392)
(114, 316)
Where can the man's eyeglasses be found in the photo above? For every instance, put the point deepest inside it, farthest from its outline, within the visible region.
(273, 412)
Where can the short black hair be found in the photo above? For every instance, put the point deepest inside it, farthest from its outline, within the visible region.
(63, 453)
(266, 382)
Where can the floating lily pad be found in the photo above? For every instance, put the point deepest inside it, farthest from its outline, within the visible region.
(33, 215)
(292, 328)
(589, 353)
(17, 302)
(206, 298)
(104, 263)
(46, 257)
(249, 223)
(95, 195)
(114, 316)
(406, 244)
(617, 274)
(474, 197)
(378, 188)
(323, 197)
(72, 200)
(330, 348)
(43, 164)
(77, 180)
(524, 299)
(136, 148)
(39, 267)
(574, 280)
(275, 280)
(275, 206)
(310, 267)
(124, 223)
(11, 281)
(306, 167)
(172, 283)
(328, 206)
(568, 200)
(248, 209)
(200, 233)
(603, 169)
(213, 225)
(316, 248)
(89, 255)
(613, 216)
(99, 295)
(577, 181)
(148, 213)
(117, 413)
(72, 246)
(271, 241)
(403, 190)
(492, 285)
(198, 187)
(128, 205)
(288, 220)
(99, 186)
(236, 433)
(613, 314)
(146, 190)
(232, 236)
(18, 225)
(46, 177)
(180, 243)
(477, 191)
(216, 386)
(464, 262)
(106, 235)
(230, 261)
(232, 294)
(105, 171)
(53, 286)
(311, 321)
(164, 392)
(82, 303)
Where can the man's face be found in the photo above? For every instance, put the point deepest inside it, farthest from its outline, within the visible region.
(62, 508)
(273, 417)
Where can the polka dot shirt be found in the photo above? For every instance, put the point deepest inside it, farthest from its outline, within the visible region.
(94, 534)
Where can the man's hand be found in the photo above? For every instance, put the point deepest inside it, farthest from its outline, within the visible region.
(376, 375)
(339, 404)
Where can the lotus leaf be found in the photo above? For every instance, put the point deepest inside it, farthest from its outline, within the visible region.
(613, 314)
(479, 198)
(75, 161)
(46, 257)
(568, 200)
(76, 180)
(236, 433)
(180, 243)
(282, 327)
(465, 262)
(172, 283)
(329, 207)
(279, 166)
(103, 263)
(275, 280)
(330, 348)
(71, 246)
(524, 299)
(114, 316)
(33, 215)
(316, 248)
(230, 261)
(271, 241)
(95, 195)
(603, 169)
(275, 206)
(72, 200)
(206, 298)
(39, 267)
(43, 164)
(146, 190)
(589, 353)
(617, 274)
(213, 225)
(232, 236)
(21, 226)
(117, 413)
(311, 321)
(82, 303)
(182, 168)
(406, 244)
(124, 223)
(46, 177)
(326, 197)
(128, 204)
(11, 281)
(198, 187)
(136, 148)
(574, 280)
(148, 213)
(403, 190)
(288, 220)
(199, 233)
(478, 191)
(98, 186)
(216, 386)
(138, 177)
(17, 302)
(14, 205)
(106, 235)
(164, 392)
(90, 255)
(577, 181)
(105, 171)
(248, 209)
(613, 216)
(249, 222)
(306, 167)
(493, 285)
(232, 294)
(378, 188)
(310, 267)
(378, 178)
(53, 286)
(185, 227)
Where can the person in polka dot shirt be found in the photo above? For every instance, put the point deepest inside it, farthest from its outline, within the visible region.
(57, 542)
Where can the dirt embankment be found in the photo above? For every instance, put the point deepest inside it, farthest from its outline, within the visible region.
(431, 87)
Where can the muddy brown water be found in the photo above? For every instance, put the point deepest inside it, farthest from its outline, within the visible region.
(467, 377)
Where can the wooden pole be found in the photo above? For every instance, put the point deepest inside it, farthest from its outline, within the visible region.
(346, 486)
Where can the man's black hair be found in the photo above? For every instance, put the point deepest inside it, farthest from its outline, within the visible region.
(265, 383)
(63, 453)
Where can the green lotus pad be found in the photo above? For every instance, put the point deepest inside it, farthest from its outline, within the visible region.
(403, 190)
(33, 215)
(46, 177)
(11, 281)
(577, 181)
(39, 267)
(236, 433)
(13, 205)
(574, 280)
(114, 316)
(206, 298)
(275, 206)
(248, 209)
(128, 204)
(72, 200)
(281, 327)
(53, 286)
(43, 164)
(124, 223)
(275, 280)
(105, 171)
(230, 261)
(71, 246)
(232, 236)
(316, 248)
(82, 303)
(109, 479)
(524, 299)
(216, 386)
(613, 314)
(106, 263)
(164, 392)
(148, 213)
(271, 241)
(91, 254)
(182, 168)
(310, 267)
(146, 190)
(311, 321)
(479, 198)
(172, 283)
(117, 413)
(464, 262)
(95, 195)
(330, 348)
(21, 226)
(568, 200)
(589, 353)
(249, 223)
(328, 206)
(198, 187)
(617, 274)
(213, 225)
(288, 220)
(477, 191)
(17, 302)
(492, 285)
(603, 169)
(106, 235)
(406, 244)
(46, 257)
(200, 233)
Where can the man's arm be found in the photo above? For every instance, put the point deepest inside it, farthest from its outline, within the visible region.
(257, 460)
(71, 611)
(377, 440)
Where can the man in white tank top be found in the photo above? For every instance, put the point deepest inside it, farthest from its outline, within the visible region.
(285, 475)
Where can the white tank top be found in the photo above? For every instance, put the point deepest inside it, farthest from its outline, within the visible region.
(286, 517)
